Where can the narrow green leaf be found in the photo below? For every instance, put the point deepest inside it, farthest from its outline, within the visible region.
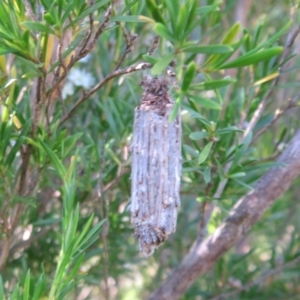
(228, 130)
(211, 85)
(242, 150)
(49, 19)
(151, 5)
(236, 175)
(12, 154)
(199, 135)
(164, 32)
(67, 11)
(191, 14)
(38, 27)
(255, 58)
(26, 286)
(131, 18)
(181, 21)
(207, 103)
(54, 159)
(161, 64)
(2, 293)
(232, 34)
(188, 76)
(247, 186)
(207, 175)
(93, 232)
(84, 230)
(79, 260)
(228, 39)
(273, 38)
(220, 59)
(210, 49)
(173, 8)
(191, 151)
(205, 153)
(175, 110)
(149, 59)
(207, 8)
(257, 34)
(88, 11)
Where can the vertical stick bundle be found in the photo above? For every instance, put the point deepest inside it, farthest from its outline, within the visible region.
(156, 166)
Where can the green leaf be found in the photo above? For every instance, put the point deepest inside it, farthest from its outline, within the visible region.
(54, 159)
(228, 39)
(88, 11)
(26, 286)
(207, 103)
(247, 186)
(38, 27)
(2, 294)
(191, 14)
(188, 76)
(49, 19)
(164, 32)
(84, 231)
(228, 130)
(236, 175)
(210, 49)
(161, 65)
(208, 8)
(219, 59)
(232, 34)
(190, 150)
(173, 9)
(181, 21)
(66, 12)
(155, 11)
(205, 153)
(131, 18)
(94, 231)
(199, 135)
(255, 58)
(149, 59)
(272, 39)
(211, 85)
(12, 154)
(175, 110)
(207, 175)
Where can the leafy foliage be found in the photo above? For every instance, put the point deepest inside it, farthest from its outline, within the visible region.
(65, 142)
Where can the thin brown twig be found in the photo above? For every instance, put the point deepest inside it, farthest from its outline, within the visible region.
(29, 12)
(60, 58)
(83, 53)
(89, 34)
(141, 66)
(102, 27)
(291, 104)
(154, 46)
(262, 278)
(129, 38)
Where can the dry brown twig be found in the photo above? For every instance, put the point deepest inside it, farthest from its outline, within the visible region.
(129, 38)
(291, 104)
